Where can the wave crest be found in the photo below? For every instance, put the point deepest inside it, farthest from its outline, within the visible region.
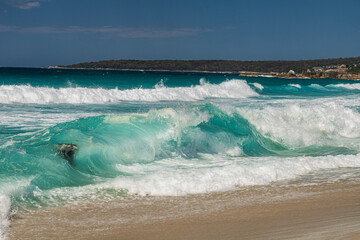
(79, 95)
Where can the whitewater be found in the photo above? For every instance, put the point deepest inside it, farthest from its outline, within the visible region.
(44, 95)
(167, 134)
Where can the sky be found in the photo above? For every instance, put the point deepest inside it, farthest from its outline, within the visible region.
(40, 33)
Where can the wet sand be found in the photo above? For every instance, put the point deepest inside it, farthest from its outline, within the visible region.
(327, 211)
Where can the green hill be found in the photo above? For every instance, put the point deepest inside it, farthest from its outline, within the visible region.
(220, 65)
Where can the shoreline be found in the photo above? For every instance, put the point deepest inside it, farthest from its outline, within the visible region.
(326, 211)
(347, 76)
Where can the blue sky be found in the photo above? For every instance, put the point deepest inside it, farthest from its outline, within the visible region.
(37, 33)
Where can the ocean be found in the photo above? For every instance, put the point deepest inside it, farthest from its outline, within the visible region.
(78, 136)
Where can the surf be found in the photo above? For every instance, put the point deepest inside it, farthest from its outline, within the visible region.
(10, 94)
(189, 142)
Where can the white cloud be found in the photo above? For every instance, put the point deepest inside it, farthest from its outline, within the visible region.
(29, 5)
(24, 4)
(108, 31)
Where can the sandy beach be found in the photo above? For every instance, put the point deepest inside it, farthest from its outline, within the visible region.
(327, 211)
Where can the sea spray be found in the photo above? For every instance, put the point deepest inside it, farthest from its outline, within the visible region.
(305, 124)
(80, 95)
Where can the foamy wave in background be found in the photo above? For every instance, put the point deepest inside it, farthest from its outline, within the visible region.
(45, 95)
(258, 86)
(355, 86)
(295, 85)
(36, 120)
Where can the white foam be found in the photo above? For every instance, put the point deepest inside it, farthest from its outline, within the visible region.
(295, 85)
(355, 86)
(266, 76)
(212, 173)
(38, 118)
(307, 123)
(79, 95)
(318, 87)
(258, 85)
(4, 215)
(7, 143)
(235, 152)
(219, 173)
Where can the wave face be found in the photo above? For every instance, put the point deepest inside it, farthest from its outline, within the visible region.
(106, 142)
(175, 152)
(79, 95)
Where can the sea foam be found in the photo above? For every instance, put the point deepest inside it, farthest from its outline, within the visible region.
(295, 85)
(258, 85)
(219, 173)
(79, 95)
(355, 86)
(4, 215)
(214, 173)
(308, 123)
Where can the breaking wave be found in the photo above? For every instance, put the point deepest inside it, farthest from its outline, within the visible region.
(180, 151)
(80, 95)
(354, 86)
(305, 124)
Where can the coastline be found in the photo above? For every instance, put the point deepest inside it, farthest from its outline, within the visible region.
(326, 211)
(345, 76)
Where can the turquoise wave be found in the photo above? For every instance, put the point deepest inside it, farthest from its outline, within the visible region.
(104, 143)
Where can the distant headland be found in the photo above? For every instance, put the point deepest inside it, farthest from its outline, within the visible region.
(339, 68)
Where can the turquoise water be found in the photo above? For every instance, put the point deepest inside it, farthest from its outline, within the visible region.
(167, 134)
